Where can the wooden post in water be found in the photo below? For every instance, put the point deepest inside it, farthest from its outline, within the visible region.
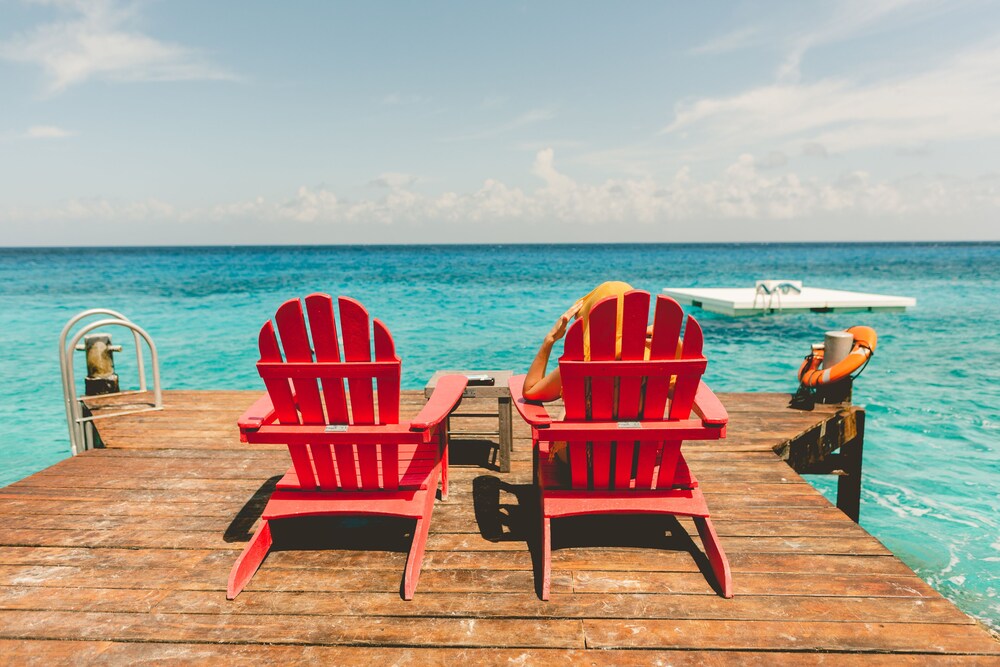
(849, 481)
(833, 448)
(835, 392)
(101, 377)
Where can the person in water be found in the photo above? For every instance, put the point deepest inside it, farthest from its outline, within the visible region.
(542, 386)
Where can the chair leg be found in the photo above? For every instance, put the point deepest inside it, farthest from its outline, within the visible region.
(444, 458)
(416, 557)
(534, 465)
(248, 562)
(546, 556)
(716, 556)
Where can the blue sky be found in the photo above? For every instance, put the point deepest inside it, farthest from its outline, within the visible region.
(225, 123)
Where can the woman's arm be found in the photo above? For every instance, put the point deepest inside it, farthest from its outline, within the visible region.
(537, 385)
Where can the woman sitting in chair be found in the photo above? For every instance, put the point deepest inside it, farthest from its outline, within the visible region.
(539, 386)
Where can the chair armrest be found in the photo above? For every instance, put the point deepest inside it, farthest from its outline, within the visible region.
(708, 406)
(338, 434)
(257, 415)
(447, 394)
(686, 429)
(530, 411)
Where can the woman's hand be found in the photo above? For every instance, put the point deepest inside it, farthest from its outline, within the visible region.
(559, 330)
(537, 385)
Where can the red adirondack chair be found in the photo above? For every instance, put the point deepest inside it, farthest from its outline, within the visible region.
(350, 455)
(624, 424)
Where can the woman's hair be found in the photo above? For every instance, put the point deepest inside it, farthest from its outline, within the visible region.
(604, 290)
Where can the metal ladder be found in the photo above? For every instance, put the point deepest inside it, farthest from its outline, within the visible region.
(766, 292)
(81, 434)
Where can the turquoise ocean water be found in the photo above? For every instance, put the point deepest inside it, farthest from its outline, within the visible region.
(932, 465)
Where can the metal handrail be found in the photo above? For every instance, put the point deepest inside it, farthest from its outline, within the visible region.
(74, 414)
(66, 360)
(779, 289)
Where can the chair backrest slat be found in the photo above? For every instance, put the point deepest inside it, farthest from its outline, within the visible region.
(325, 347)
(687, 385)
(319, 383)
(669, 456)
(649, 379)
(280, 391)
(666, 332)
(357, 347)
(636, 305)
(625, 451)
(354, 327)
(295, 342)
(603, 332)
(388, 403)
(324, 337)
(574, 395)
(388, 388)
(646, 463)
(575, 401)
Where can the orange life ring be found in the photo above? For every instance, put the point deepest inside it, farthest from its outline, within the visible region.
(811, 375)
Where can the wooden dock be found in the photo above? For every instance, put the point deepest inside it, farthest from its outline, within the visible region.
(121, 555)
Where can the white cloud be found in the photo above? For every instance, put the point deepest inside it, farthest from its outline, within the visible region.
(93, 40)
(535, 146)
(774, 160)
(849, 19)
(958, 100)
(47, 132)
(814, 149)
(732, 41)
(96, 209)
(742, 193)
(818, 25)
(544, 168)
(394, 180)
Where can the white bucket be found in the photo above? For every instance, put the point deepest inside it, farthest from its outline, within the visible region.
(837, 345)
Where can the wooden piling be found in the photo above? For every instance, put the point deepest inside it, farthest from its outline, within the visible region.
(101, 377)
(849, 482)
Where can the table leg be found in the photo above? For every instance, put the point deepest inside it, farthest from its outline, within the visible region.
(505, 432)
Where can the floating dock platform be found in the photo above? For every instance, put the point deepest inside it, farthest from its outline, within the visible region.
(121, 555)
(738, 301)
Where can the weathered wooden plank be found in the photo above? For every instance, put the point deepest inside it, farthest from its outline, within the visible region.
(385, 579)
(476, 605)
(162, 526)
(790, 496)
(117, 653)
(103, 557)
(292, 629)
(442, 519)
(715, 473)
(751, 583)
(53, 652)
(789, 636)
(125, 600)
(599, 606)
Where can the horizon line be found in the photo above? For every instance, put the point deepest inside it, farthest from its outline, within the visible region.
(510, 243)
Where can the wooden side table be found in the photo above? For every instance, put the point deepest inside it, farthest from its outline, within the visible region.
(498, 390)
